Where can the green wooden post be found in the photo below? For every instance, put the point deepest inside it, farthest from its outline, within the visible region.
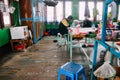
(4, 36)
(75, 8)
(16, 13)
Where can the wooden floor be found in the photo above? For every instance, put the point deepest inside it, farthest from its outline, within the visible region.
(41, 61)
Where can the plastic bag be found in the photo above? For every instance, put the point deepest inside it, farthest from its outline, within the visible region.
(105, 71)
(100, 48)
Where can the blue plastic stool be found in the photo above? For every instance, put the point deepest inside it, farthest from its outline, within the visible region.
(72, 71)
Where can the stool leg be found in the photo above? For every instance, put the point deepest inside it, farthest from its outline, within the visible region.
(83, 77)
(72, 78)
(76, 77)
(68, 78)
(59, 75)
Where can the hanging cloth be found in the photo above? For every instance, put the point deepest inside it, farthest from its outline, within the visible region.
(113, 9)
(95, 12)
(87, 11)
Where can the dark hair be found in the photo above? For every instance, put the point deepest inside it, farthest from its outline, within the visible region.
(70, 17)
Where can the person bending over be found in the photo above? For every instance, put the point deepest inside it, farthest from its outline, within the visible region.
(64, 24)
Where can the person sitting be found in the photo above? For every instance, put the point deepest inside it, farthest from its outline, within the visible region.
(64, 24)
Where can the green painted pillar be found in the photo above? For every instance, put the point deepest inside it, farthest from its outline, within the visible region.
(75, 9)
(16, 13)
(4, 36)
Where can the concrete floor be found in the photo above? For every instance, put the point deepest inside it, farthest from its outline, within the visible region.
(40, 62)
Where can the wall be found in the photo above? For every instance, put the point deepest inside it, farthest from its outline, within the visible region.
(32, 15)
(4, 36)
(5, 33)
(52, 27)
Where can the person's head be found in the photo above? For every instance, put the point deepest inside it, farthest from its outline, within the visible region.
(70, 18)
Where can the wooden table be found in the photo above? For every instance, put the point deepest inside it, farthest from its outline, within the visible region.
(18, 44)
(78, 37)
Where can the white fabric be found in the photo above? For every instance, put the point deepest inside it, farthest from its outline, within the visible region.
(81, 30)
(113, 9)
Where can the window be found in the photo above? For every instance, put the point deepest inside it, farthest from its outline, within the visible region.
(6, 19)
(68, 8)
(59, 11)
(6, 15)
(119, 13)
(50, 14)
(81, 10)
(100, 10)
(90, 6)
(59, 14)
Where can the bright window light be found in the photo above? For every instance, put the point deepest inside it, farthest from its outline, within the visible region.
(81, 10)
(50, 14)
(59, 11)
(100, 10)
(91, 6)
(68, 8)
(6, 16)
(119, 13)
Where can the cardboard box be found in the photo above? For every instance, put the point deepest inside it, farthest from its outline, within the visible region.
(20, 32)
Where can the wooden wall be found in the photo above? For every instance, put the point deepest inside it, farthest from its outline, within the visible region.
(32, 18)
(25, 9)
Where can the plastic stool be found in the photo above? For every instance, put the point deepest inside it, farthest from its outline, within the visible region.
(72, 71)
